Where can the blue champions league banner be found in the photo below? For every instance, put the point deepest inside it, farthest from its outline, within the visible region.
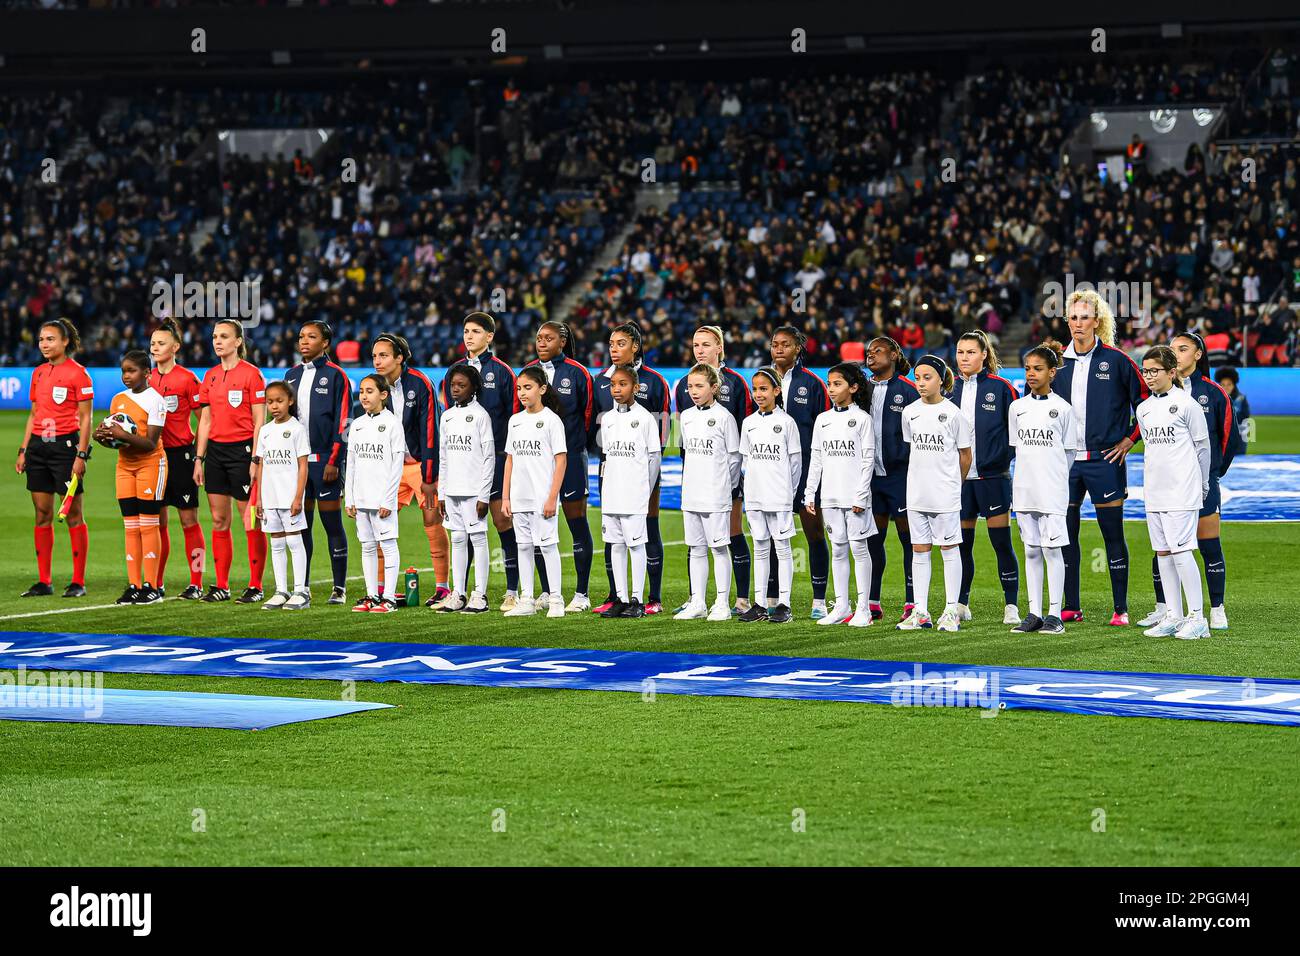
(901, 683)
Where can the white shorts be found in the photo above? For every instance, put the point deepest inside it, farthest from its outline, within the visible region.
(623, 529)
(371, 527)
(927, 527)
(707, 530)
(462, 515)
(1172, 531)
(280, 519)
(1041, 530)
(766, 525)
(532, 529)
(844, 525)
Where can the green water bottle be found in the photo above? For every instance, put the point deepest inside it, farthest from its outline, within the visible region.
(412, 587)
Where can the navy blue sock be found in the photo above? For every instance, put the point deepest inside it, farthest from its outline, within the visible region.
(819, 566)
(654, 559)
(510, 558)
(609, 571)
(1008, 567)
(1155, 579)
(1112, 533)
(967, 549)
(582, 546)
(773, 582)
(1071, 553)
(905, 539)
(338, 542)
(308, 544)
(740, 564)
(1216, 571)
(876, 548)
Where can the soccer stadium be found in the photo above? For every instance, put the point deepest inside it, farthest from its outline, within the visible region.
(793, 296)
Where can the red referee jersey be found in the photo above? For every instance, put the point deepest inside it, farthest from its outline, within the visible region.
(180, 391)
(231, 396)
(54, 394)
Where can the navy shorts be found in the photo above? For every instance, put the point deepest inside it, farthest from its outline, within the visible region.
(1104, 481)
(320, 489)
(575, 478)
(889, 494)
(985, 498)
(1213, 500)
(498, 478)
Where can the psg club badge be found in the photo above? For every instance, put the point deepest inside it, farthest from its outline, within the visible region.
(988, 397)
(1053, 413)
(636, 424)
(541, 424)
(382, 427)
(943, 417)
(285, 434)
(490, 376)
(712, 422)
(323, 381)
(776, 429)
(469, 418)
(853, 422)
(803, 390)
(1103, 366)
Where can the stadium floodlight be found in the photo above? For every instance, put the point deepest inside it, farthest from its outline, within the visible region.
(280, 58)
(704, 46)
(855, 43)
(1171, 31)
(553, 51)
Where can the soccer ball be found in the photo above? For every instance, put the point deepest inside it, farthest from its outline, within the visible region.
(127, 423)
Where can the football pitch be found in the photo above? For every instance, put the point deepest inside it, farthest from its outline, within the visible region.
(460, 775)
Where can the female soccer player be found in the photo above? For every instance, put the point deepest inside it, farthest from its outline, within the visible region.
(500, 400)
(1045, 434)
(376, 460)
(734, 397)
(631, 444)
(466, 469)
(179, 388)
(710, 444)
(1104, 387)
(803, 398)
(324, 401)
(1177, 484)
(280, 468)
(985, 399)
(941, 441)
(891, 392)
(232, 397)
(141, 474)
(840, 476)
(55, 448)
(653, 394)
(571, 384)
(773, 464)
(1225, 444)
(536, 470)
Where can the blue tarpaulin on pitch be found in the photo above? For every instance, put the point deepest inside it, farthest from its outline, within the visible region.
(83, 702)
(902, 683)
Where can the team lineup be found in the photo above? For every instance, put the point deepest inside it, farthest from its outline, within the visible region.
(838, 459)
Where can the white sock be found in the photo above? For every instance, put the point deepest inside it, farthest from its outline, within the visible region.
(861, 573)
(618, 561)
(921, 581)
(1169, 578)
(551, 555)
(482, 562)
(459, 561)
(1034, 578)
(638, 572)
(525, 570)
(280, 563)
(388, 547)
(951, 577)
(722, 573)
(760, 564)
(1190, 576)
(370, 567)
(699, 572)
(298, 552)
(784, 570)
(840, 571)
(1055, 559)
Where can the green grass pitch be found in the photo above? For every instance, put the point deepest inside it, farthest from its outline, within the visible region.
(466, 775)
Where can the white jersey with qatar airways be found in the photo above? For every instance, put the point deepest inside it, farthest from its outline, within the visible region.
(710, 458)
(376, 451)
(280, 445)
(1177, 451)
(466, 453)
(773, 460)
(629, 439)
(1045, 435)
(533, 439)
(935, 432)
(843, 459)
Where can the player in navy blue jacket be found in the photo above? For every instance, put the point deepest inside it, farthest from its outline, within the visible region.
(1225, 444)
(413, 400)
(652, 393)
(709, 348)
(324, 407)
(891, 392)
(500, 401)
(1104, 387)
(985, 401)
(805, 397)
(574, 388)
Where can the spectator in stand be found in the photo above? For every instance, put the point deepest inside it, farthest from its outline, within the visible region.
(1228, 379)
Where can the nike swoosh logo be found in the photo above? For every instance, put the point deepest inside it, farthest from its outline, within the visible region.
(993, 508)
(1107, 495)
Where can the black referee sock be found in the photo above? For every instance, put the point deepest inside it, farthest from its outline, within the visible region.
(740, 564)
(1008, 567)
(654, 559)
(967, 549)
(819, 566)
(338, 542)
(1070, 553)
(1112, 533)
(1216, 571)
(1155, 579)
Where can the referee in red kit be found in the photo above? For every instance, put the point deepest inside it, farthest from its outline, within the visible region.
(233, 397)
